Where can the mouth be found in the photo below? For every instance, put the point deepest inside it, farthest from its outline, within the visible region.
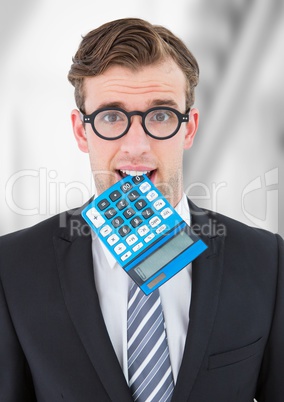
(126, 172)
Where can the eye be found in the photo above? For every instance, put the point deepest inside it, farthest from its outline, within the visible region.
(111, 117)
(160, 116)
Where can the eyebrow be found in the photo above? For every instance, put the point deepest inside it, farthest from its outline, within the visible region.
(153, 103)
(163, 102)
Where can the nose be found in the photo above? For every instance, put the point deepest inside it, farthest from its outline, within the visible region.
(135, 142)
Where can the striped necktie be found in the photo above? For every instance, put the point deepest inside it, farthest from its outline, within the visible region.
(149, 366)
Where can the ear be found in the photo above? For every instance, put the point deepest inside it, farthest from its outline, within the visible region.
(79, 131)
(191, 128)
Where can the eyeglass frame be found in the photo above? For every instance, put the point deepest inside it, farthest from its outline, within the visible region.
(90, 118)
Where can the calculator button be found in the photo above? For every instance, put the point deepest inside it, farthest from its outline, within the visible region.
(115, 195)
(136, 222)
(147, 213)
(128, 213)
(131, 239)
(140, 204)
(143, 230)
(166, 213)
(103, 204)
(137, 247)
(124, 230)
(126, 255)
(152, 195)
(159, 204)
(161, 229)
(96, 218)
(106, 230)
(138, 179)
(110, 213)
(149, 238)
(116, 222)
(133, 195)
(145, 187)
(126, 187)
(122, 204)
(154, 221)
(112, 239)
(120, 248)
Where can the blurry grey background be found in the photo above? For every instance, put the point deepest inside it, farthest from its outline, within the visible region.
(236, 164)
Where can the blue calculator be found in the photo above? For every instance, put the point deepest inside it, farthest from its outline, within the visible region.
(144, 233)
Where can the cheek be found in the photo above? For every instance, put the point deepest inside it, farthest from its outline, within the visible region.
(100, 163)
(99, 151)
(101, 155)
(173, 149)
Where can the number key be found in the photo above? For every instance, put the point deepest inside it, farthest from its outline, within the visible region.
(140, 204)
(128, 213)
(147, 213)
(136, 221)
(122, 204)
(116, 222)
(110, 213)
(126, 187)
(133, 195)
(124, 230)
(138, 179)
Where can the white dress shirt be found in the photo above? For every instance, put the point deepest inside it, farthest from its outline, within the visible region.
(113, 285)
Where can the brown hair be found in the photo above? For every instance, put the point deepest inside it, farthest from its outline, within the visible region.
(132, 43)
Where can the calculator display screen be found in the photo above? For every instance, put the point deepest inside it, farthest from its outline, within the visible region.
(163, 255)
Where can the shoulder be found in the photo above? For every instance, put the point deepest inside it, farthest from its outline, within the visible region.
(44, 229)
(237, 234)
(37, 241)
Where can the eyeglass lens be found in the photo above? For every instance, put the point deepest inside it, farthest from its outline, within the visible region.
(112, 123)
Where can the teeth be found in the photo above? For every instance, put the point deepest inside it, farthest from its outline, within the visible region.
(134, 172)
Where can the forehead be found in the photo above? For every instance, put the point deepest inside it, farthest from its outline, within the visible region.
(136, 88)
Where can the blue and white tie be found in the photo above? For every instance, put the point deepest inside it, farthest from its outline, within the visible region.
(149, 366)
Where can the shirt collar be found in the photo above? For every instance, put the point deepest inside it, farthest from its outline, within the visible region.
(182, 209)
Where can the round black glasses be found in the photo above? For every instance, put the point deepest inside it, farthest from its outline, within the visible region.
(158, 122)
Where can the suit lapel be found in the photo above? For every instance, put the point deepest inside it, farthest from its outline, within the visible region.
(75, 267)
(207, 273)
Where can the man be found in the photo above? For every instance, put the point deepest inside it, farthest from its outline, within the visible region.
(64, 299)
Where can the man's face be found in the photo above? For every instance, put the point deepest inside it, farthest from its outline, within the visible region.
(136, 152)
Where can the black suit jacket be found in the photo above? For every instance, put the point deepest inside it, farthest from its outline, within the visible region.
(54, 345)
